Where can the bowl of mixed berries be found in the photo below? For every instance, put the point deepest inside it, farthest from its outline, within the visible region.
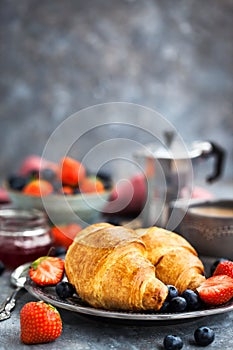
(66, 190)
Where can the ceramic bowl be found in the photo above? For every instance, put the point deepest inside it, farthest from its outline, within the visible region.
(208, 226)
(83, 209)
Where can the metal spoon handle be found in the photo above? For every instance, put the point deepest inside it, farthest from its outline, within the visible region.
(4, 315)
(8, 305)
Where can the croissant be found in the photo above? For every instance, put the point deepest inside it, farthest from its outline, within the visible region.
(175, 260)
(115, 268)
(108, 266)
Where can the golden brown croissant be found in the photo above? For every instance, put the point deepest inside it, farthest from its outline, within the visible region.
(175, 260)
(109, 269)
(113, 267)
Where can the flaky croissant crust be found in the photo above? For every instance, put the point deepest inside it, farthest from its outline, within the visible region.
(115, 268)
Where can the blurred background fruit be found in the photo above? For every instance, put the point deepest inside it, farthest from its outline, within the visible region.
(64, 234)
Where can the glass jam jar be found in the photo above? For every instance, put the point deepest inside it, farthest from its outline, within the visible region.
(24, 236)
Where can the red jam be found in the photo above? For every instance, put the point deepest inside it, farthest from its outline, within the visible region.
(24, 236)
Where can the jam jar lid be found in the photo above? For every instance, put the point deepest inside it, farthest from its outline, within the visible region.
(19, 222)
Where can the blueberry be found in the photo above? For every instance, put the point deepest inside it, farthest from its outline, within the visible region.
(204, 336)
(2, 267)
(104, 175)
(165, 307)
(57, 186)
(60, 251)
(172, 292)
(48, 174)
(17, 182)
(76, 190)
(33, 174)
(193, 300)
(215, 264)
(172, 342)
(65, 290)
(106, 179)
(178, 304)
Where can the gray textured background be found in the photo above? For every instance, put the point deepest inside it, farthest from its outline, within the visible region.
(58, 57)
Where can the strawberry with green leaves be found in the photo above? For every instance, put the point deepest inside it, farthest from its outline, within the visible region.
(40, 323)
(47, 270)
(216, 290)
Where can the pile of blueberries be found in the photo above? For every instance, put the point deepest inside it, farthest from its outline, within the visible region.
(187, 301)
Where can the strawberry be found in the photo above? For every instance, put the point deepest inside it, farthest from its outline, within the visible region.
(38, 188)
(216, 290)
(64, 234)
(224, 268)
(66, 190)
(47, 270)
(71, 171)
(91, 185)
(39, 322)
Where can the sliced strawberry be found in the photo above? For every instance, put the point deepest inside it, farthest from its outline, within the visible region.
(47, 270)
(224, 268)
(216, 290)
